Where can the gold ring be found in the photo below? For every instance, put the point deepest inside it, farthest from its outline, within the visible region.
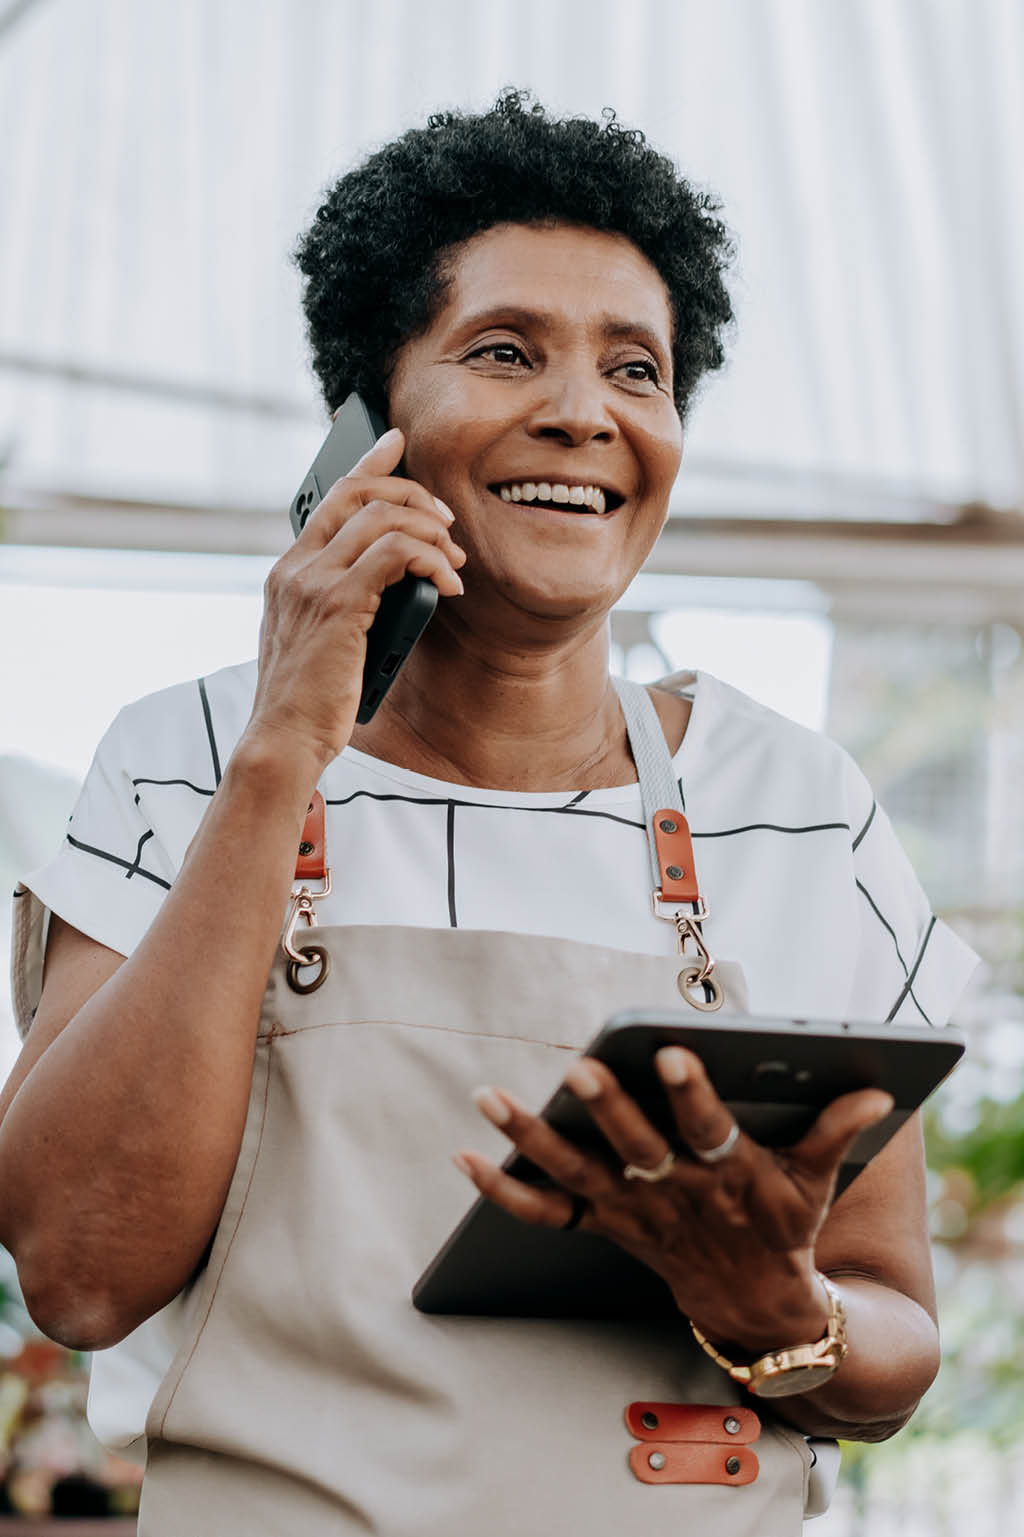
(650, 1176)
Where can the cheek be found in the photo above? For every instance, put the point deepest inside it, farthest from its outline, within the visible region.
(436, 425)
(663, 454)
(428, 442)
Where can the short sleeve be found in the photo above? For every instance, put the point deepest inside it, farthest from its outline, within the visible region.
(108, 879)
(911, 967)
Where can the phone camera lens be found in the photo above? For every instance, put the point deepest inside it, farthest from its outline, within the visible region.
(772, 1069)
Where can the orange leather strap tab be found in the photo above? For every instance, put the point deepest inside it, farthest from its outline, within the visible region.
(674, 1462)
(311, 864)
(675, 857)
(693, 1422)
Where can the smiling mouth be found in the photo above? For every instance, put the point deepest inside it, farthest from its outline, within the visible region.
(593, 499)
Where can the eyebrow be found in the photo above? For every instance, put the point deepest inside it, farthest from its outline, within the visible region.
(615, 327)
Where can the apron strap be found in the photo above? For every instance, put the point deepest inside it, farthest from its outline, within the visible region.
(669, 845)
(673, 878)
(658, 784)
(311, 864)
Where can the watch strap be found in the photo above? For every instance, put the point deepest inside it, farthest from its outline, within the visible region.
(825, 1354)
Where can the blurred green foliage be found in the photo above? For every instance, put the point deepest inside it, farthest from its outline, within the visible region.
(990, 1155)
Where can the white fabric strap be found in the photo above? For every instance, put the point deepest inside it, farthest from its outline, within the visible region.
(659, 788)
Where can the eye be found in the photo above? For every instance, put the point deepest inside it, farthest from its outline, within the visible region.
(505, 354)
(640, 371)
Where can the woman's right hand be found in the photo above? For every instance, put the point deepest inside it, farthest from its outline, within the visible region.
(370, 530)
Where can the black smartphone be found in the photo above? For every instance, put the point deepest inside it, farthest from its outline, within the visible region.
(405, 606)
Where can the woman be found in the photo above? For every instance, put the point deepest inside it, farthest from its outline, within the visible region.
(258, 1176)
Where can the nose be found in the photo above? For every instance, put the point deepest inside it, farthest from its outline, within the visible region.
(573, 408)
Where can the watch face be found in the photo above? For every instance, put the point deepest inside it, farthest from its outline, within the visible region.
(781, 1381)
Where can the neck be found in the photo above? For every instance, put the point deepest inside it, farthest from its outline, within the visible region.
(537, 718)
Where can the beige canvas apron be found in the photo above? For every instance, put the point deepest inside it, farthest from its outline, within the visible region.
(310, 1397)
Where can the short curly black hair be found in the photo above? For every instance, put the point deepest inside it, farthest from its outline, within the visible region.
(374, 257)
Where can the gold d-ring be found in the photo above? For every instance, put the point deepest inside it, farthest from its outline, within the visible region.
(309, 955)
(690, 979)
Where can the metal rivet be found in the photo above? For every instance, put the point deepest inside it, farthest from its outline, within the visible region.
(648, 1420)
(657, 1461)
(667, 826)
(732, 1464)
(731, 1424)
(306, 848)
(673, 872)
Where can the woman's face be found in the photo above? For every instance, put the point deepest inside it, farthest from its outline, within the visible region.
(550, 366)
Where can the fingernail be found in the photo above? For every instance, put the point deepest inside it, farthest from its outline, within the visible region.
(673, 1067)
(583, 1081)
(385, 438)
(462, 1164)
(462, 588)
(491, 1106)
(444, 510)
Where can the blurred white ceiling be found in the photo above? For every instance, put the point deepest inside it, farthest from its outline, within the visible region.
(158, 159)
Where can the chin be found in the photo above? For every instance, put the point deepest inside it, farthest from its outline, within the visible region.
(562, 600)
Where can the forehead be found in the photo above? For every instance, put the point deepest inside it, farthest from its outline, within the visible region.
(559, 269)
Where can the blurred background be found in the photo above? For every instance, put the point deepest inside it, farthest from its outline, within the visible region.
(846, 539)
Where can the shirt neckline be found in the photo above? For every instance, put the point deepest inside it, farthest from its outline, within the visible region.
(693, 685)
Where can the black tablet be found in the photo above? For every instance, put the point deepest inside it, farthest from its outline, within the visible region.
(775, 1076)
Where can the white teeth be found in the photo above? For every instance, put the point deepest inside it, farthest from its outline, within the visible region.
(559, 494)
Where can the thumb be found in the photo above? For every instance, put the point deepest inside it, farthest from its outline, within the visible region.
(821, 1150)
(384, 456)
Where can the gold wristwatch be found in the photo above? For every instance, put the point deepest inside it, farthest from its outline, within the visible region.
(798, 1368)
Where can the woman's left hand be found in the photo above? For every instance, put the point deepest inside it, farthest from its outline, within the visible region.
(733, 1239)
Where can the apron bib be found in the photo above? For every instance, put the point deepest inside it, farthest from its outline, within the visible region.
(309, 1396)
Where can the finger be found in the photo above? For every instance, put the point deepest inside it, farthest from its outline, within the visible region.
(616, 1114)
(382, 459)
(790, 1197)
(351, 493)
(396, 554)
(566, 1164)
(822, 1149)
(703, 1121)
(530, 1203)
(371, 522)
(384, 456)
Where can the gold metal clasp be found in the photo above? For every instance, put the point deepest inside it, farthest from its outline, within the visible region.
(301, 909)
(696, 983)
(688, 927)
(300, 961)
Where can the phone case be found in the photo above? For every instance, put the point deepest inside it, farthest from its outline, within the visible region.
(406, 606)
